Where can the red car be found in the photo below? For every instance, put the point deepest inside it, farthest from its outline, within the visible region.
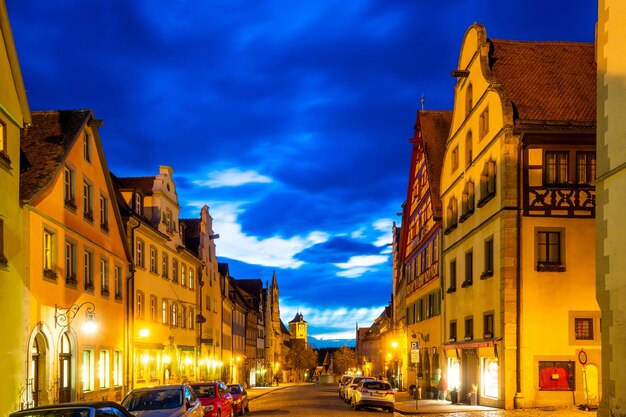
(240, 398)
(215, 398)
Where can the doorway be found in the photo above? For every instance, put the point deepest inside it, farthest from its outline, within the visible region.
(65, 369)
(38, 374)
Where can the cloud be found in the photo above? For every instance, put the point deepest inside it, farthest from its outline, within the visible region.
(233, 177)
(360, 264)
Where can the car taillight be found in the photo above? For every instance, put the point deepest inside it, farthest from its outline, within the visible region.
(363, 390)
(390, 393)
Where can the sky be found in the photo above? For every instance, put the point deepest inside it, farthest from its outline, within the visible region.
(290, 120)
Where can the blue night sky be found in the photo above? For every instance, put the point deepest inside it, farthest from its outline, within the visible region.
(290, 120)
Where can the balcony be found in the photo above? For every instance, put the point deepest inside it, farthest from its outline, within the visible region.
(567, 201)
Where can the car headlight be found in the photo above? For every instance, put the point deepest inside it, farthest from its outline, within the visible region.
(237, 401)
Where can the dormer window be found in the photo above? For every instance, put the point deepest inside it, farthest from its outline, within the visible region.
(138, 204)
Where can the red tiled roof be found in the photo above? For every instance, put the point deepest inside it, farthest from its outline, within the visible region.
(435, 127)
(144, 184)
(44, 146)
(547, 81)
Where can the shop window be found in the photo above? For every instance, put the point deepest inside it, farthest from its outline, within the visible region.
(87, 371)
(490, 382)
(556, 376)
(104, 368)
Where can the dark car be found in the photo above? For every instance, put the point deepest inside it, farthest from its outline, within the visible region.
(240, 398)
(80, 409)
(215, 398)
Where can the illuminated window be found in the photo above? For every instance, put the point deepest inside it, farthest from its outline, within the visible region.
(139, 253)
(104, 369)
(164, 311)
(585, 168)
(88, 269)
(490, 383)
(557, 168)
(192, 279)
(139, 305)
(104, 277)
(104, 212)
(49, 254)
(3, 139)
(118, 366)
(583, 328)
(69, 187)
(183, 274)
(87, 377)
(173, 315)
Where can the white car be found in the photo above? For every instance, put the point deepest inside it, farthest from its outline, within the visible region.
(373, 393)
(351, 386)
(164, 401)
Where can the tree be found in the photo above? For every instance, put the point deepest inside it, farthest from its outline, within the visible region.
(301, 358)
(344, 358)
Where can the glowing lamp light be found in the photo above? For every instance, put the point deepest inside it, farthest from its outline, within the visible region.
(90, 325)
(188, 361)
(144, 332)
(145, 358)
(394, 344)
(167, 359)
(238, 358)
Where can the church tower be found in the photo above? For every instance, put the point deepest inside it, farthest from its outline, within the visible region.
(298, 328)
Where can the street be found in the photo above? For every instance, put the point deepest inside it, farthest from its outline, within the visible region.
(322, 400)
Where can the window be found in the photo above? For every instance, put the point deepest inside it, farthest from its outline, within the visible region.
(88, 269)
(164, 311)
(86, 147)
(468, 149)
(419, 310)
(104, 213)
(557, 168)
(454, 159)
(104, 369)
(556, 376)
(49, 255)
(452, 215)
(487, 183)
(191, 319)
(488, 267)
(87, 377)
(469, 266)
(138, 204)
(69, 187)
(165, 265)
(139, 305)
(469, 99)
(467, 200)
(153, 259)
(3, 259)
(469, 328)
(483, 124)
(139, 253)
(118, 366)
(585, 168)
(452, 286)
(488, 326)
(183, 317)
(549, 251)
(583, 328)
(174, 270)
(173, 315)
(183, 274)
(87, 200)
(104, 277)
(453, 331)
(70, 262)
(3, 140)
(153, 308)
(192, 279)
(167, 220)
(117, 279)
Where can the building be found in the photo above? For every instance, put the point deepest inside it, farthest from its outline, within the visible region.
(240, 372)
(14, 116)
(611, 198)
(255, 354)
(298, 328)
(163, 282)
(374, 348)
(518, 196)
(227, 306)
(276, 334)
(78, 263)
(200, 238)
(420, 244)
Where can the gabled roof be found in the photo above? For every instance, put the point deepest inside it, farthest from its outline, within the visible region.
(547, 81)
(434, 127)
(45, 145)
(143, 184)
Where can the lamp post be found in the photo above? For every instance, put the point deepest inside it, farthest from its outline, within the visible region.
(64, 316)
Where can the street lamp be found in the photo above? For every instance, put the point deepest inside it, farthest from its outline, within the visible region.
(64, 316)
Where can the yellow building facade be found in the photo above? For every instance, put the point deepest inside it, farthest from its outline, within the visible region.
(164, 282)
(77, 263)
(518, 202)
(14, 116)
(611, 199)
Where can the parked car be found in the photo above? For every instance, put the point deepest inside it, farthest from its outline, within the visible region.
(240, 399)
(176, 400)
(215, 398)
(351, 386)
(80, 409)
(374, 393)
(342, 384)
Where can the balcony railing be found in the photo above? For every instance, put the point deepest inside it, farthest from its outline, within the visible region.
(569, 201)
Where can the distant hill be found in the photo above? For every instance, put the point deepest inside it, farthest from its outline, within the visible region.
(330, 343)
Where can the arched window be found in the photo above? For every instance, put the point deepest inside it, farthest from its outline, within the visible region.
(452, 214)
(487, 182)
(467, 200)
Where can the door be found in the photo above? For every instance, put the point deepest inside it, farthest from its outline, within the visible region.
(65, 370)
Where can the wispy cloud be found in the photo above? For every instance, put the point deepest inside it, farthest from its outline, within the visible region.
(233, 177)
(360, 264)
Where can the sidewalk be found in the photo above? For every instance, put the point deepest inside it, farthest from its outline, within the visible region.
(256, 392)
(405, 404)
